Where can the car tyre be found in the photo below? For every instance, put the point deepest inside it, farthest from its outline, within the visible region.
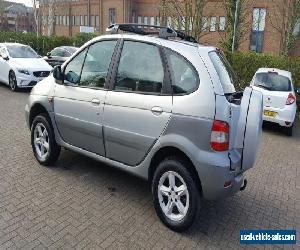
(289, 130)
(175, 194)
(44, 146)
(13, 81)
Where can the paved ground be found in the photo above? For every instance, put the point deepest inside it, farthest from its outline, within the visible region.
(81, 203)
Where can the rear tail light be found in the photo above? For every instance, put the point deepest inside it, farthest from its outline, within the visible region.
(219, 140)
(291, 99)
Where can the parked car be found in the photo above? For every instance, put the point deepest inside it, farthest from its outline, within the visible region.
(279, 96)
(165, 110)
(59, 55)
(21, 66)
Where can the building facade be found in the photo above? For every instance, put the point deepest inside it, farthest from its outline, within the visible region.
(17, 17)
(260, 32)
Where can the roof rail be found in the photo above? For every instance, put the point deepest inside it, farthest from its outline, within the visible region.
(162, 31)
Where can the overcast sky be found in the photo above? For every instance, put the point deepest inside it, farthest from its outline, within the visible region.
(27, 2)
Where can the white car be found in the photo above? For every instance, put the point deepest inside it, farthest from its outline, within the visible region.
(21, 66)
(279, 96)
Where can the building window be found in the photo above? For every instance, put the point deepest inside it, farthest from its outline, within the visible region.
(67, 20)
(140, 20)
(222, 23)
(213, 23)
(97, 21)
(93, 21)
(86, 20)
(81, 20)
(158, 21)
(112, 16)
(204, 23)
(258, 28)
(152, 20)
(77, 20)
(146, 20)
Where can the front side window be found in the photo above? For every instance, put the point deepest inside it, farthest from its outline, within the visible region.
(272, 82)
(73, 69)
(140, 68)
(185, 79)
(16, 51)
(96, 65)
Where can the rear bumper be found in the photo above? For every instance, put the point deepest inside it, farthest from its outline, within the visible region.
(286, 114)
(214, 180)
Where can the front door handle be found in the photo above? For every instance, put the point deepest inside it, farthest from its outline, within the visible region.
(157, 110)
(95, 102)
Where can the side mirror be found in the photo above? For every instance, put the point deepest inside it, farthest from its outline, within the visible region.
(49, 54)
(5, 57)
(297, 90)
(58, 75)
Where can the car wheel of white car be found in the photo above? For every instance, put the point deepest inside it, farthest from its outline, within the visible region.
(44, 146)
(12, 81)
(289, 130)
(176, 198)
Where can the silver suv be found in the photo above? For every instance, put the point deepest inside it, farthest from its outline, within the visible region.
(156, 106)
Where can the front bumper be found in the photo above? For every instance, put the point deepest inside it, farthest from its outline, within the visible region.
(286, 114)
(27, 81)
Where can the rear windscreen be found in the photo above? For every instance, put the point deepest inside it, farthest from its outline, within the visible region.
(272, 82)
(225, 72)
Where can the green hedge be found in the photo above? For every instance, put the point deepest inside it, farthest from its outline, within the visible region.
(44, 44)
(246, 64)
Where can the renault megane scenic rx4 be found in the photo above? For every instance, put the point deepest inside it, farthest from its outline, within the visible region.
(157, 106)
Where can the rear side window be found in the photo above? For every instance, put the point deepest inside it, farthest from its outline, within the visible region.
(225, 71)
(140, 68)
(272, 82)
(185, 79)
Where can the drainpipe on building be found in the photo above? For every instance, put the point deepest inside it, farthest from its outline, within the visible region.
(235, 24)
(89, 13)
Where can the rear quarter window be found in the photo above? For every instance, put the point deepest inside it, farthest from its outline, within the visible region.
(225, 72)
(185, 78)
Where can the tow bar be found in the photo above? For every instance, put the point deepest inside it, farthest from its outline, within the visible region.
(244, 185)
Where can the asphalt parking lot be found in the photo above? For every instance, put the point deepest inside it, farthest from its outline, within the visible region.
(81, 203)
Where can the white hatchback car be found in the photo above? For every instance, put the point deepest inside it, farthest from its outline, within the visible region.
(21, 66)
(279, 96)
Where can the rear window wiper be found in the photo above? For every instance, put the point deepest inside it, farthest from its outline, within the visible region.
(264, 86)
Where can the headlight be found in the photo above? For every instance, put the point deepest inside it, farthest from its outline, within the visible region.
(24, 71)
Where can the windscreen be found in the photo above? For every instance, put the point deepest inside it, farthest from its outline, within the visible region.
(17, 51)
(225, 72)
(272, 82)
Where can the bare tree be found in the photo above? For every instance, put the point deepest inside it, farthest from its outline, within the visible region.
(184, 15)
(51, 16)
(44, 15)
(243, 23)
(35, 4)
(285, 17)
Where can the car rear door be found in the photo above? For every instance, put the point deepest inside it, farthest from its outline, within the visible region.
(247, 121)
(245, 116)
(79, 102)
(138, 107)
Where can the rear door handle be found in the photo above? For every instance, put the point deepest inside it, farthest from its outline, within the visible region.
(157, 110)
(95, 102)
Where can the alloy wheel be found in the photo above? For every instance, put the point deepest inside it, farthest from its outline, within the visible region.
(173, 196)
(41, 141)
